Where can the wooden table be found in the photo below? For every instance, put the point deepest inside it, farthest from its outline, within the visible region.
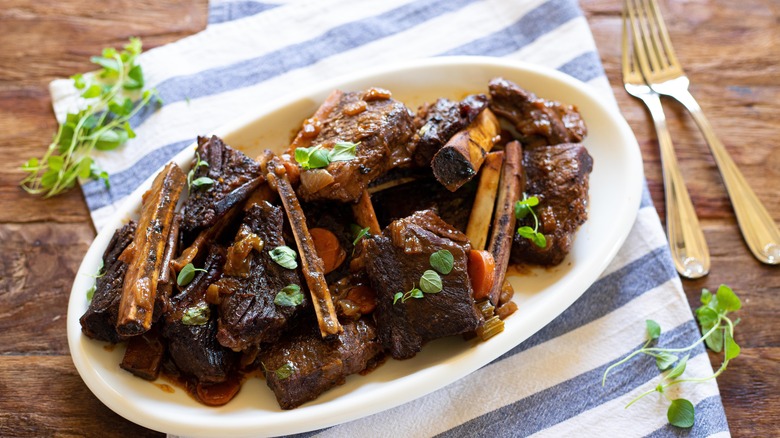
(729, 49)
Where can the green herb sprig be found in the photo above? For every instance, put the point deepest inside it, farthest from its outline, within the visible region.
(414, 292)
(289, 296)
(430, 281)
(198, 314)
(284, 256)
(103, 125)
(203, 181)
(284, 371)
(187, 274)
(317, 157)
(442, 261)
(523, 208)
(359, 233)
(100, 272)
(717, 333)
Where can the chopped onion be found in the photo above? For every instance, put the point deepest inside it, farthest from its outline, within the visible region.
(313, 180)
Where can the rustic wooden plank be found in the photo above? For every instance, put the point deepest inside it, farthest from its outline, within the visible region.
(44, 396)
(46, 40)
(750, 392)
(729, 51)
(36, 274)
(738, 92)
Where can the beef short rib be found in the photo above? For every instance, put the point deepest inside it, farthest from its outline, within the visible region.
(557, 175)
(99, 321)
(538, 121)
(403, 200)
(234, 176)
(303, 365)
(380, 125)
(248, 315)
(395, 261)
(192, 343)
(436, 123)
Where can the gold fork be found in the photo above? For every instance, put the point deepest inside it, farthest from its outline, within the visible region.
(689, 249)
(665, 76)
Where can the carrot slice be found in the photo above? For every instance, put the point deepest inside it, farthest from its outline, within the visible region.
(481, 267)
(364, 297)
(328, 248)
(217, 394)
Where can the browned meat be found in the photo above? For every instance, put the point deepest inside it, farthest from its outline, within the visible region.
(302, 366)
(538, 121)
(403, 200)
(248, 315)
(436, 123)
(144, 354)
(99, 321)
(382, 127)
(191, 328)
(558, 176)
(395, 262)
(234, 177)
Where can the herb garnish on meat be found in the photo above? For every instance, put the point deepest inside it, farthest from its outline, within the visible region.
(522, 209)
(187, 273)
(284, 256)
(317, 157)
(290, 296)
(203, 180)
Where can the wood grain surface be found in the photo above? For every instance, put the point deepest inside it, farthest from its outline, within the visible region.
(729, 50)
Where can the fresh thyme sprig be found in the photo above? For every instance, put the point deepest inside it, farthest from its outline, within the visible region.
(102, 125)
(718, 335)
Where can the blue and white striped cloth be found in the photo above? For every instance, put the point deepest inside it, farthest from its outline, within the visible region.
(254, 51)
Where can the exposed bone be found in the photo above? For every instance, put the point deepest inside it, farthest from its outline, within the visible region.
(311, 264)
(364, 214)
(390, 184)
(457, 162)
(485, 200)
(166, 280)
(139, 291)
(511, 185)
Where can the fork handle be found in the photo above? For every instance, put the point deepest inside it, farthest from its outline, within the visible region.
(689, 249)
(758, 228)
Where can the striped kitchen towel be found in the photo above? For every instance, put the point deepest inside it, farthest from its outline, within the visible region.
(550, 385)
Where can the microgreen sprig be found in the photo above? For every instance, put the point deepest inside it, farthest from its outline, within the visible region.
(289, 296)
(522, 209)
(187, 274)
(414, 292)
(359, 233)
(198, 314)
(717, 333)
(317, 157)
(203, 180)
(102, 125)
(284, 256)
(430, 280)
